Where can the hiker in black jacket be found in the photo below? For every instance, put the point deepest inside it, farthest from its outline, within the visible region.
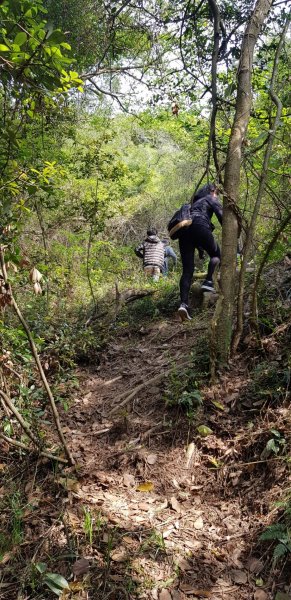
(199, 235)
(152, 253)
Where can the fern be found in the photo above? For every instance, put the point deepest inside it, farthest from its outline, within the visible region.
(274, 532)
(279, 551)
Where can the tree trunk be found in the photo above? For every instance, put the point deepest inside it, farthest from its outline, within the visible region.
(262, 183)
(230, 229)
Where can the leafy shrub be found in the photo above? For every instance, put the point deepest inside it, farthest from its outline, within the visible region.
(280, 533)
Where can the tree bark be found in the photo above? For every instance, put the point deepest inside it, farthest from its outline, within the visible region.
(231, 215)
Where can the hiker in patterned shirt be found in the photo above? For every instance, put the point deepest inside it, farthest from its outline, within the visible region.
(152, 253)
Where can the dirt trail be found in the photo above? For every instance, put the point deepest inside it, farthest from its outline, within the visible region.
(177, 513)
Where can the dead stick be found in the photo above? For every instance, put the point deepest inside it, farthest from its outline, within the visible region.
(151, 380)
(20, 419)
(5, 407)
(146, 434)
(24, 447)
(38, 363)
(141, 386)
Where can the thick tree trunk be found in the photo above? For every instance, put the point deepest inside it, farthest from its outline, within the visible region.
(224, 313)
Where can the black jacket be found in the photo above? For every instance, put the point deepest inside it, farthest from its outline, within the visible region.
(202, 210)
(151, 251)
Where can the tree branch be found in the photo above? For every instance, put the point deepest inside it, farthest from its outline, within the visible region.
(37, 361)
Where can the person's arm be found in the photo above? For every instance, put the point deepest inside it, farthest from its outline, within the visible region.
(139, 250)
(172, 254)
(217, 209)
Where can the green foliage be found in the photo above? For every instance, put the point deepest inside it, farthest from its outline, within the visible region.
(280, 532)
(88, 524)
(53, 581)
(275, 445)
(13, 507)
(182, 390)
(154, 543)
(269, 382)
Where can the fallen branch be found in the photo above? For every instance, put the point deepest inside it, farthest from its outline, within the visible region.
(27, 449)
(140, 387)
(143, 436)
(127, 296)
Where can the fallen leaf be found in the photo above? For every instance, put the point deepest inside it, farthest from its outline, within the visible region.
(117, 577)
(238, 576)
(76, 586)
(144, 506)
(204, 431)
(188, 589)
(128, 541)
(189, 454)
(184, 565)
(193, 545)
(198, 524)
(87, 398)
(175, 505)
(6, 558)
(282, 596)
(165, 595)
(255, 565)
(168, 532)
(147, 486)
(119, 554)
(80, 567)
(260, 595)
(176, 595)
(72, 485)
(128, 479)
(151, 459)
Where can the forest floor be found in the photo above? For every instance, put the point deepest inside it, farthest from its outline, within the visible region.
(176, 478)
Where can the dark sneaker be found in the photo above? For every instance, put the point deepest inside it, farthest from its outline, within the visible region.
(183, 312)
(207, 286)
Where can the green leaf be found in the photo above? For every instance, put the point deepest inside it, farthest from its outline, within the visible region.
(271, 446)
(56, 37)
(41, 567)
(57, 583)
(204, 431)
(66, 45)
(4, 48)
(20, 38)
(217, 404)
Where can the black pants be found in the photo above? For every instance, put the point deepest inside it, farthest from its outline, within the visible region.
(195, 236)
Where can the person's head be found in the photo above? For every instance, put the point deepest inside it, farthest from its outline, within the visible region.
(206, 190)
(152, 231)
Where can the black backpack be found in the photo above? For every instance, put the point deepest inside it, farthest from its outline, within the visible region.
(181, 219)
